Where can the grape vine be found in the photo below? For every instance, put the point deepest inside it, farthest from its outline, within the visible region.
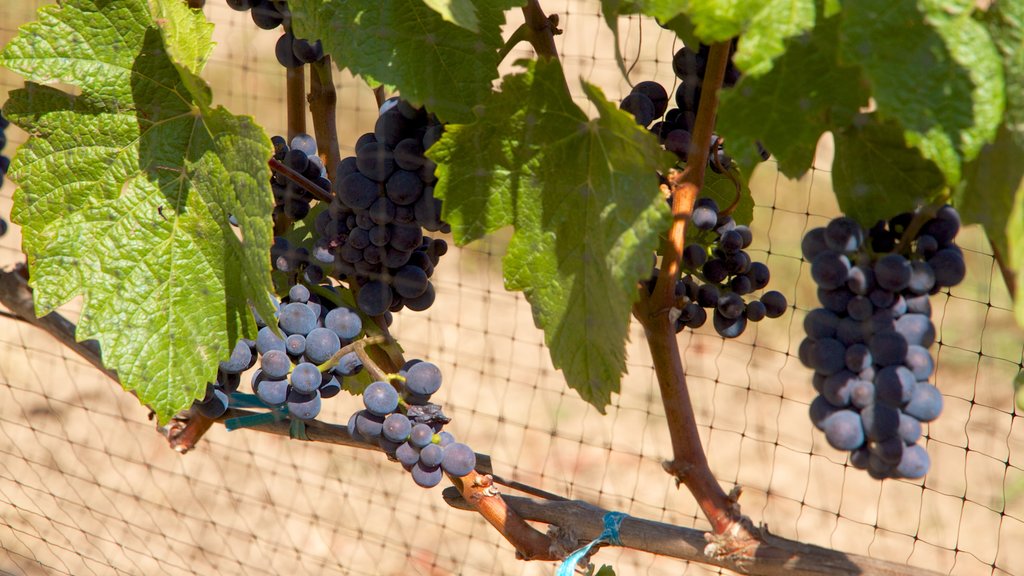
(139, 194)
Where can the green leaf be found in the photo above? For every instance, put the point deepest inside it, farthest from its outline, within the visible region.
(125, 192)
(807, 93)
(583, 197)
(406, 44)
(720, 188)
(1005, 21)
(993, 196)
(762, 25)
(876, 175)
(935, 70)
(606, 570)
(459, 12)
(581, 246)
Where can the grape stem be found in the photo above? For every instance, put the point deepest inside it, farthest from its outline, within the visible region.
(773, 557)
(541, 29)
(689, 464)
(295, 91)
(323, 100)
(521, 34)
(921, 217)
(305, 183)
(353, 347)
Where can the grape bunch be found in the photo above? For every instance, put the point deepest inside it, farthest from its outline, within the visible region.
(869, 342)
(265, 13)
(648, 101)
(371, 233)
(403, 422)
(5, 163)
(291, 51)
(720, 273)
(294, 371)
(290, 199)
(229, 375)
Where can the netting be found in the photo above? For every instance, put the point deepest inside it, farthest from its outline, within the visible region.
(88, 487)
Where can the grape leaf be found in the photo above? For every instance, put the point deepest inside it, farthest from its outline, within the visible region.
(405, 43)
(762, 25)
(807, 93)
(993, 196)
(125, 192)
(459, 12)
(876, 175)
(936, 71)
(1005, 21)
(583, 197)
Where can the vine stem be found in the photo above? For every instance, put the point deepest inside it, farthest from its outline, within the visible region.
(541, 29)
(295, 82)
(323, 100)
(306, 184)
(772, 557)
(689, 464)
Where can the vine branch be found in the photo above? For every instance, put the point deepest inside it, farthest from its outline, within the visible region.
(323, 100)
(689, 464)
(541, 29)
(295, 92)
(769, 556)
(306, 184)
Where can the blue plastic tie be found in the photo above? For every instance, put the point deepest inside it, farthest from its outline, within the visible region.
(610, 535)
(255, 419)
(240, 400)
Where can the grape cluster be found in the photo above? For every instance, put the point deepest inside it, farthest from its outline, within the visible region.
(290, 199)
(649, 101)
(868, 343)
(265, 13)
(719, 273)
(291, 51)
(408, 427)
(5, 163)
(371, 233)
(229, 375)
(290, 368)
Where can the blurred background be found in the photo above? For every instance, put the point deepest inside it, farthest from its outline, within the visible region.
(87, 486)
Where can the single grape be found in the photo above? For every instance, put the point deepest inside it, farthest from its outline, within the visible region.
(774, 303)
(329, 387)
(910, 429)
(888, 348)
(374, 298)
(893, 272)
(640, 106)
(421, 435)
(343, 322)
(925, 402)
(916, 329)
(296, 318)
(397, 427)
(843, 235)
(813, 244)
(820, 323)
(914, 463)
(407, 455)
(894, 385)
(369, 425)
(843, 430)
(920, 362)
(830, 270)
(273, 391)
(426, 477)
(275, 364)
(321, 344)
(216, 406)
(949, 266)
(431, 456)
(241, 358)
(828, 356)
(305, 378)
(380, 398)
(458, 460)
(880, 421)
(423, 378)
(657, 94)
(304, 406)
